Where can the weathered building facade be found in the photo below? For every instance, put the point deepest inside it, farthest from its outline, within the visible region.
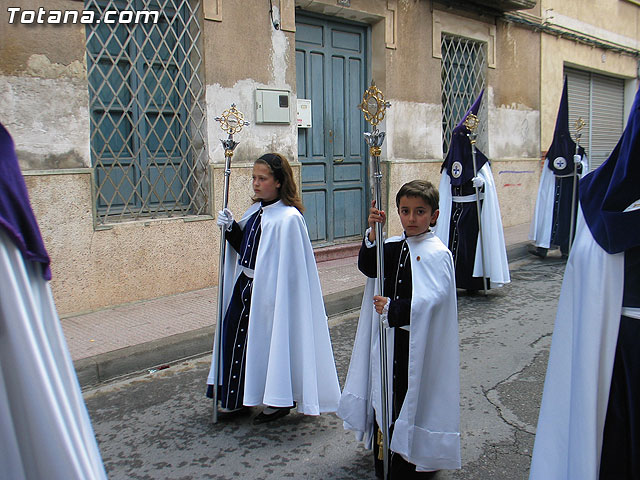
(596, 46)
(115, 127)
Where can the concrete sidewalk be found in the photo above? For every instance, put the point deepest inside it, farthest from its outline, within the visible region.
(121, 340)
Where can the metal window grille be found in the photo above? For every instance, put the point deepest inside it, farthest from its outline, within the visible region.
(463, 76)
(146, 100)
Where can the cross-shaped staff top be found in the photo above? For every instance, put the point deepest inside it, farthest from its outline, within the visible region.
(232, 120)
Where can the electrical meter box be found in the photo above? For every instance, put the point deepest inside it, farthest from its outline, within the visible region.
(272, 106)
(304, 113)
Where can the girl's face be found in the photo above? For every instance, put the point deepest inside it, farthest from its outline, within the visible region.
(265, 186)
(416, 215)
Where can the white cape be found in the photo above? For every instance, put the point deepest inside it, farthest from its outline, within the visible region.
(568, 441)
(45, 431)
(427, 431)
(495, 251)
(289, 354)
(540, 228)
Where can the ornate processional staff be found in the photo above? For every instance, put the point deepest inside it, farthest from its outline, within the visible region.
(471, 123)
(576, 158)
(374, 107)
(231, 121)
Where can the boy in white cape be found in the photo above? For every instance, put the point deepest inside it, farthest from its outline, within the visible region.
(418, 306)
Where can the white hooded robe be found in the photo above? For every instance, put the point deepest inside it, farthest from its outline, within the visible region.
(45, 430)
(568, 440)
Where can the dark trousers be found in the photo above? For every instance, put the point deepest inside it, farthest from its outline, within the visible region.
(561, 226)
(399, 468)
(620, 459)
(463, 239)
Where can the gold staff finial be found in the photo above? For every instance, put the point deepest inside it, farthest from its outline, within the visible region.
(232, 120)
(580, 123)
(373, 105)
(472, 122)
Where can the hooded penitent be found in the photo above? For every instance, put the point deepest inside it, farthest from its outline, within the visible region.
(551, 224)
(458, 226)
(45, 431)
(586, 428)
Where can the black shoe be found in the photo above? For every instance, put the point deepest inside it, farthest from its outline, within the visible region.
(270, 417)
(230, 414)
(537, 251)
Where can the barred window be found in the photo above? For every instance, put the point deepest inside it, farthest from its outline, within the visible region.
(463, 76)
(146, 101)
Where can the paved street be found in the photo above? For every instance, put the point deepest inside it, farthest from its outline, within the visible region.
(157, 425)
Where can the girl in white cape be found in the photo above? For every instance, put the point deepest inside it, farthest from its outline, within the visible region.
(276, 349)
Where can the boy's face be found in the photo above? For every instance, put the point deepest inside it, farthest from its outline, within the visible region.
(416, 215)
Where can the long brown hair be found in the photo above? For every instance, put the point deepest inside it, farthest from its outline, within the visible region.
(281, 170)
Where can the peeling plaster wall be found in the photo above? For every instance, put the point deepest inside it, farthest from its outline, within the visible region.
(517, 187)
(44, 100)
(412, 73)
(62, 45)
(414, 131)
(254, 139)
(48, 119)
(244, 45)
(512, 130)
(130, 262)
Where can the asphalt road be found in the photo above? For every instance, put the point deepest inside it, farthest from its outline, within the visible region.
(158, 425)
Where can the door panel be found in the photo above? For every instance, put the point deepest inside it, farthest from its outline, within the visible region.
(331, 71)
(314, 203)
(346, 217)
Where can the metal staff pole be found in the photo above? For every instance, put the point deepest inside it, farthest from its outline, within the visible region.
(373, 107)
(579, 126)
(471, 123)
(231, 122)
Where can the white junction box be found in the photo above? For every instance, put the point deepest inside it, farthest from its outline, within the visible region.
(304, 113)
(272, 106)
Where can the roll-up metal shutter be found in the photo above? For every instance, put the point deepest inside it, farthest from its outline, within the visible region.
(607, 112)
(579, 86)
(599, 100)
